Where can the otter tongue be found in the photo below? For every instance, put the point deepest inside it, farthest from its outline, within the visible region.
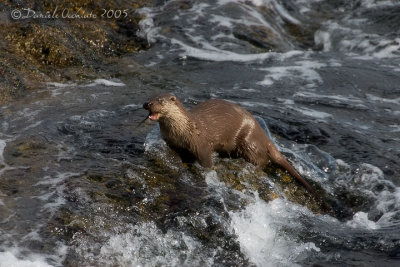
(153, 116)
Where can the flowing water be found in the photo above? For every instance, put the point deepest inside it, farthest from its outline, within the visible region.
(82, 185)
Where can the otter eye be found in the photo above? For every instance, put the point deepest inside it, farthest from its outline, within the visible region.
(172, 98)
(161, 101)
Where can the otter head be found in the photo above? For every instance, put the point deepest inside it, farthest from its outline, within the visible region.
(163, 107)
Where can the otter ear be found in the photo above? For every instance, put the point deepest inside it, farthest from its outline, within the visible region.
(172, 98)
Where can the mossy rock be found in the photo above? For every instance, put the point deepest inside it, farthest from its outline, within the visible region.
(34, 51)
(26, 149)
(241, 176)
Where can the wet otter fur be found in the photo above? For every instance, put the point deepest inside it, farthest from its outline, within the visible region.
(216, 125)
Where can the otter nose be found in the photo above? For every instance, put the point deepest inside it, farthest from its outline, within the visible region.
(147, 105)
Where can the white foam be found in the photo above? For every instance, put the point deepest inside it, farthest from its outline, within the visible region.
(57, 88)
(260, 230)
(17, 257)
(3, 165)
(57, 179)
(255, 104)
(391, 48)
(286, 101)
(284, 13)
(130, 106)
(211, 178)
(221, 21)
(383, 100)
(303, 69)
(29, 114)
(60, 85)
(212, 53)
(198, 9)
(323, 38)
(313, 113)
(153, 139)
(346, 35)
(370, 181)
(334, 63)
(53, 191)
(3, 145)
(105, 83)
(379, 49)
(251, 17)
(146, 25)
(395, 128)
(2, 202)
(360, 220)
(279, 9)
(388, 203)
(249, 90)
(222, 36)
(5, 126)
(370, 175)
(342, 164)
(258, 18)
(31, 126)
(378, 4)
(144, 244)
(199, 45)
(8, 259)
(218, 54)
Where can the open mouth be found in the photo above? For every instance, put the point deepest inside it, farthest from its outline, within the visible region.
(154, 116)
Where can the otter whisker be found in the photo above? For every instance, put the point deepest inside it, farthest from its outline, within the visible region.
(141, 122)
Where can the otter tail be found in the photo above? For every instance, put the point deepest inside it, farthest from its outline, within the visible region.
(278, 159)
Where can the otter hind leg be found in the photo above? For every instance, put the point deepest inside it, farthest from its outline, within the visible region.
(251, 147)
(252, 153)
(204, 156)
(258, 159)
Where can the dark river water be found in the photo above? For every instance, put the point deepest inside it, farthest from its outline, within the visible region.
(82, 185)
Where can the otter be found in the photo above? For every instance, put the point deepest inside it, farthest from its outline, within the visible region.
(216, 125)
